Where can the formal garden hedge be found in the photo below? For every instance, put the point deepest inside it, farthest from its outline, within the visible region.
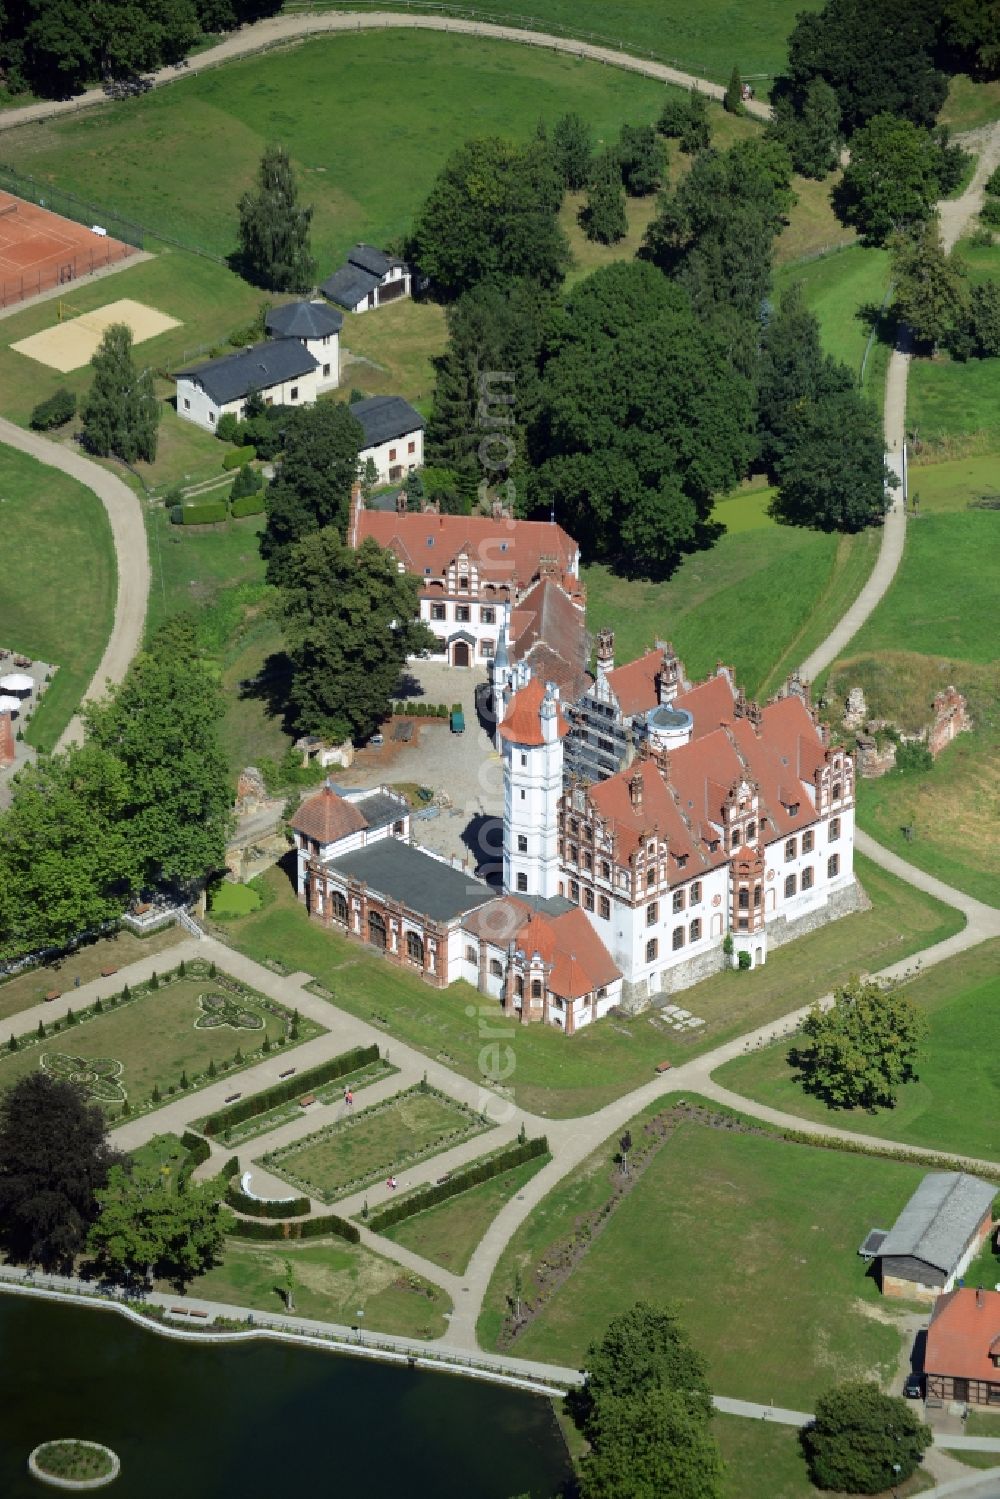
(460, 1181)
(238, 457)
(203, 512)
(198, 1150)
(302, 1228)
(256, 1207)
(291, 1087)
(247, 504)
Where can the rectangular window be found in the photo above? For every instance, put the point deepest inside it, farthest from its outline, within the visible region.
(438, 611)
(604, 908)
(496, 968)
(751, 831)
(808, 839)
(650, 878)
(695, 893)
(756, 896)
(790, 886)
(605, 870)
(791, 850)
(807, 879)
(678, 901)
(187, 404)
(488, 615)
(536, 988)
(734, 841)
(326, 367)
(651, 950)
(463, 583)
(588, 862)
(652, 911)
(392, 455)
(472, 956)
(211, 417)
(833, 866)
(696, 930)
(522, 843)
(744, 900)
(834, 829)
(411, 447)
(462, 613)
(588, 898)
(677, 940)
(524, 761)
(522, 882)
(574, 891)
(571, 852)
(522, 793)
(486, 648)
(294, 393)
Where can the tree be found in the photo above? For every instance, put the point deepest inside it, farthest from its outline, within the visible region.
(793, 375)
(369, 479)
(162, 725)
(625, 1145)
(858, 1053)
(640, 160)
(350, 623)
(120, 413)
(890, 184)
(573, 148)
(833, 476)
(863, 1441)
(810, 128)
(980, 333)
(686, 119)
(603, 216)
(147, 1226)
(274, 229)
(643, 1349)
(732, 100)
(971, 31)
(54, 1159)
(650, 1446)
(641, 418)
(67, 863)
(414, 487)
(490, 216)
(930, 291)
(312, 486)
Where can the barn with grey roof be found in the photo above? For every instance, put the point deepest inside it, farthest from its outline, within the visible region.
(369, 278)
(936, 1236)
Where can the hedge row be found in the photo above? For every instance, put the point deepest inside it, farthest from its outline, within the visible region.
(203, 512)
(303, 1228)
(291, 1087)
(247, 504)
(231, 1168)
(238, 457)
(197, 1147)
(292, 1207)
(461, 1181)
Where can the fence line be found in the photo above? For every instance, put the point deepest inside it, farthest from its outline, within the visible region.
(872, 335)
(45, 278)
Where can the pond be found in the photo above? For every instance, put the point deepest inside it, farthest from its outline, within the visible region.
(205, 1422)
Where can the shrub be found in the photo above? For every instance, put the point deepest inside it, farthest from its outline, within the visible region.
(177, 515)
(248, 504)
(990, 211)
(227, 426)
(54, 411)
(204, 512)
(743, 962)
(914, 756)
(305, 1228)
(293, 1207)
(247, 481)
(197, 1147)
(237, 457)
(290, 1087)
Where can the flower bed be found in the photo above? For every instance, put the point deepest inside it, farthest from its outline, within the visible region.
(74, 1464)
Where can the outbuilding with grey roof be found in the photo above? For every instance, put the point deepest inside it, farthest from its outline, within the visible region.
(936, 1236)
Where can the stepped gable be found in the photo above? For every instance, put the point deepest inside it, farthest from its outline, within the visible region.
(327, 817)
(708, 704)
(634, 684)
(522, 723)
(580, 963)
(548, 630)
(511, 552)
(633, 820)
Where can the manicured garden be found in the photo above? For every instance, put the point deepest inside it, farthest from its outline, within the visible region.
(72, 1462)
(283, 1113)
(372, 1144)
(752, 1237)
(950, 1105)
(30, 987)
(333, 1281)
(448, 1233)
(614, 1056)
(159, 1038)
(59, 583)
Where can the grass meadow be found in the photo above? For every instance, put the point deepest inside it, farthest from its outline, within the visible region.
(754, 1239)
(615, 1055)
(836, 287)
(950, 1106)
(448, 1233)
(58, 584)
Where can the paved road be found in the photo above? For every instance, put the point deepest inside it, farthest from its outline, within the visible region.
(279, 29)
(124, 512)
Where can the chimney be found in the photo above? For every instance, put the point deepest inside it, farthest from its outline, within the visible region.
(980, 1298)
(635, 791)
(605, 652)
(668, 676)
(401, 502)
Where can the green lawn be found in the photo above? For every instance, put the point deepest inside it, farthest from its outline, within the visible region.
(950, 1107)
(447, 1234)
(334, 1282)
(753, 1238)
(760, 599)
(284, 1113)
(30, 988)
(155, 1037)
(57, 590)
(970, 103)
(951, 484)
(608, 1059)
(371, 1144)
(392, 354)
(702, 39)
(835, 287)
(762, 1461)
(947, 398)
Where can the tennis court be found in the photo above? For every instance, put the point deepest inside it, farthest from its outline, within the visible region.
(40, 250)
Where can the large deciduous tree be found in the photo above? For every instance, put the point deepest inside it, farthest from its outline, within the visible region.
(643, 1348)
(312, 487)
(491, 215)
(573, 150)
(810, 128)
(891, 183)
(274, 228)
(603, 216)
(642, 419)
(350, 623)
(162, 725)
(151, 1225)
(859, 1052)
(67, 862)
(863, 1441)
(833, 477)
(971, 32)
(931, 296)
(54, 1159)
(640, 160)
(793, 375)
(120, 413)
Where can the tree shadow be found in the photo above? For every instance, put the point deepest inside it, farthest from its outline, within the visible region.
(881, 320)
(272, 686)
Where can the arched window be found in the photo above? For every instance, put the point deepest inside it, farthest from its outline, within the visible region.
(415, 947)
(376, 929)
(338, 906)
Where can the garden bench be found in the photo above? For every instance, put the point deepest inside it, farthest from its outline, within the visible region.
(233, 1097)
(287, 1072)
(53, 994)
(664, 1066)
(107, 973)
(196, 1312)
(307, 1100)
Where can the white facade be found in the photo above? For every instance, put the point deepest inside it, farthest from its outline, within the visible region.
(194, 403)
(326, 352)
(394, 284)
(463, 621)
(532, 780)
(397, 457)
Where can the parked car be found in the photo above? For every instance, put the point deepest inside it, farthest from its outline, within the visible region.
(377, 740)
(913, 1387)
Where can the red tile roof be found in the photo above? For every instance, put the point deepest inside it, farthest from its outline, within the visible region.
(961, 1334)
(549, 631)
(659, 809)
(522, 723)
(580, 961)
(504, 551)
(327, 817)
(708, 704)
(634, 685)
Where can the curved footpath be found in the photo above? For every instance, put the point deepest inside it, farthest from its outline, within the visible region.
(279, 29)
(124, 511)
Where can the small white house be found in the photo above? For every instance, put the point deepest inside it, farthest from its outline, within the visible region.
(369, 279)
(393, 436)
(281, 370)
(317, 327)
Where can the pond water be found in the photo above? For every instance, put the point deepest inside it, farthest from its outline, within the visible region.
(253, 1422)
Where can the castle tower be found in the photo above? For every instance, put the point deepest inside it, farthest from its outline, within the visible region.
(531, 737)
(605, 651)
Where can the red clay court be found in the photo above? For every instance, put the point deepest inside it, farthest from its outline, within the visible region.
(40, 250)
